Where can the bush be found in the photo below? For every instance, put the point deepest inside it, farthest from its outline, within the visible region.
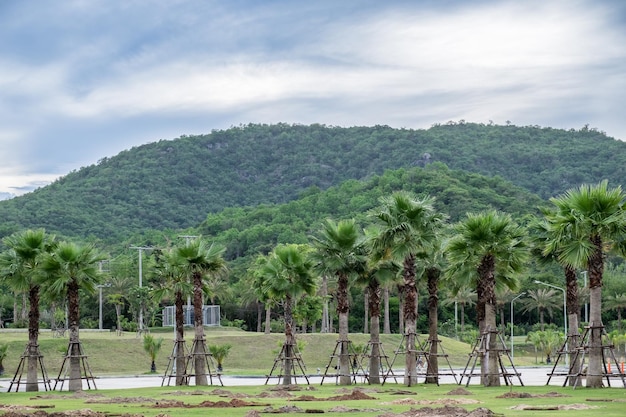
(88, 323)
(238, 323)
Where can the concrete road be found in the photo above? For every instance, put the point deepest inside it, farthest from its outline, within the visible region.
(530, 376)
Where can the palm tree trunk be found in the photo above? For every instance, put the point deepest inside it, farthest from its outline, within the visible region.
(410, 317)
(259, 316)
(487, 302)
(401, 308)
(199, 354)
(181, 364)
(24, 310)
(325, 318)
(365, 312)
(374, 309)
(596, 269)
(387, 322)
(118, 316)
(595, 368)
(573, 318)
(15, 316)
(289, 341)
(433, 304)
(462, 318)
(33, 336)
(493, 371)
(75, 383)
(268, 318)
(343, 308)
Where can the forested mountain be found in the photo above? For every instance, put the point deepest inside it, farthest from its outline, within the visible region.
(173, 184)
(248, 231)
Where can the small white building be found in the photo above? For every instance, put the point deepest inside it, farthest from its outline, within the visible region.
(210, 315)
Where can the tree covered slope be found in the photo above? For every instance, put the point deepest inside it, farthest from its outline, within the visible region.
(173, 184)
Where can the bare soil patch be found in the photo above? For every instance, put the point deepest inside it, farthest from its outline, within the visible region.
(527, 395)
(233, 403)
(445, 411)
(552, 407)
(459, 391)
(440, 401)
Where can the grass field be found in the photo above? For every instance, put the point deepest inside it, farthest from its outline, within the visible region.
(251, 353)
(194, 401)
(254, 354)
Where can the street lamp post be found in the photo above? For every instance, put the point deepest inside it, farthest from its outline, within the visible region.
(100, 307)
(140, 249)
(513, 301)
(564, 310)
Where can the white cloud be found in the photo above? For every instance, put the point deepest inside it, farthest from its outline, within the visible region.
(90, 76)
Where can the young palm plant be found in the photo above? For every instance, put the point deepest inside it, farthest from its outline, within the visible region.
(152, 346)
(220, 352)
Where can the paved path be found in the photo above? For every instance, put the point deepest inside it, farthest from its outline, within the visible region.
(531, 376)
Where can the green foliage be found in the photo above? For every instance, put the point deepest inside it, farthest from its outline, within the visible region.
(152, 346)
(220, 352)
(4, 349)
(172, 184)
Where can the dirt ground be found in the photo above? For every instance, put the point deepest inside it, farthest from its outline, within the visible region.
(450, 405)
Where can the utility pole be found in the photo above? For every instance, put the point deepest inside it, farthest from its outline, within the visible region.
(141, 249)
(101, 270)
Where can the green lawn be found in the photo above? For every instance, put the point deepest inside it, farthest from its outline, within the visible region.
(254, 354)
(251, 353)
(389, 398)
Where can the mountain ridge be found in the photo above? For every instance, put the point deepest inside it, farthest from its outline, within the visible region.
(174, 184)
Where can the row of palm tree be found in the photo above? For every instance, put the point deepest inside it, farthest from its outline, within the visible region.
(486, 250)
(184, 270)
(37, 263)
(407, 238)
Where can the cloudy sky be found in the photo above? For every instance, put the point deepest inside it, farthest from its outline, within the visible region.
(85, 79)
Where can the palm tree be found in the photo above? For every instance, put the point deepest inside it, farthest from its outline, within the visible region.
(380, 271)
(152, 346)
(542, 300)
(285, 275)
(432, 260)
(408, 227)
(201, 261)
(339, 251)
(545, 249)
(174, 284)
(117, 295)
(220, 352)
(587, 223)
(20, 266)
(70, 269)
(488, 250)
(617, 303)
(261, 290)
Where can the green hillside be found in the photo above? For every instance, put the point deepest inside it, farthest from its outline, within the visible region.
(173, 184)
